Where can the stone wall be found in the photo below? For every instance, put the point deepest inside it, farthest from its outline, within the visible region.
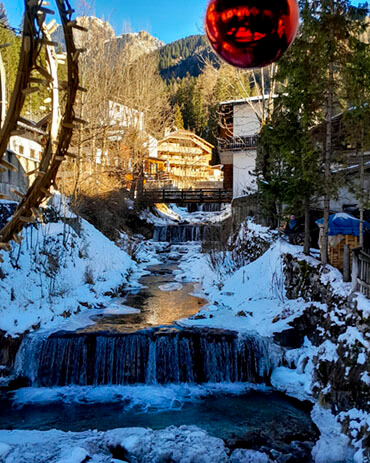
(340, 380)
(8, 350)
(247, 206)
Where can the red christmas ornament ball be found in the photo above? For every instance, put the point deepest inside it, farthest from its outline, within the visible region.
(251, 33)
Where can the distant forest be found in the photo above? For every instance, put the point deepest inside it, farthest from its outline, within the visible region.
(185, 56)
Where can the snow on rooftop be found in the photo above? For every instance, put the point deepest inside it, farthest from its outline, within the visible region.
(248, 99)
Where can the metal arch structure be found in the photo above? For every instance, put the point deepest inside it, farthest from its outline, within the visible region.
(35, 38)
(2, 92)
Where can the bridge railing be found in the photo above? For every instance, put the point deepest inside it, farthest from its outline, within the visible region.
(188, 196)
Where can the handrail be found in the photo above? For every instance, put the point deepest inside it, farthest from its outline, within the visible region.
(35, 35)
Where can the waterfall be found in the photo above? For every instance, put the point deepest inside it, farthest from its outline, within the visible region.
(183, 233)
(178, 233)
(149, 356)
(203, 207)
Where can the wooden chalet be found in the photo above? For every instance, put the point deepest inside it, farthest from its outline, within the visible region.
(182, 162)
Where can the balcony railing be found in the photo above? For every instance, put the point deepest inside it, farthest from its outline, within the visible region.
(237, 143)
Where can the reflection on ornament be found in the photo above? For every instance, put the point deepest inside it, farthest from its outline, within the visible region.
(251, 33)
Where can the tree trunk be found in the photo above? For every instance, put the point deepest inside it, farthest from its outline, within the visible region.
(279, 215)
(140, 188)
(362, 192)
(327, 172)
(346, 264)
(307, 231)
(133, 188)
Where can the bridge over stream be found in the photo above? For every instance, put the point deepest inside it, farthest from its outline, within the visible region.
(188, 196)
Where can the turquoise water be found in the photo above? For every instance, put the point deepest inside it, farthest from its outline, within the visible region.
(221, 415)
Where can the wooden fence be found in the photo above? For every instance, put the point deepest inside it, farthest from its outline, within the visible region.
(361, 271)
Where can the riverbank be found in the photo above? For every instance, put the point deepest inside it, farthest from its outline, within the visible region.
(256, 298)
(323, 328)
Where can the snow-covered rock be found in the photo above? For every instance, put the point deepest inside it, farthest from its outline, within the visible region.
(184, 444)
(248, 456)
(333, 446)
(170, 287)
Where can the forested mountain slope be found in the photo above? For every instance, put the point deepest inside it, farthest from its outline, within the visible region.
(185, 56)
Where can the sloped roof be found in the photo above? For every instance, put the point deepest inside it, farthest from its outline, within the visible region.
(182, 134)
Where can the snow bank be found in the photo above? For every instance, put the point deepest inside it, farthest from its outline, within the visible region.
(74, 455)
(290, 382)
(358, 423)
(333, 446)
(248, 456)
(162, 215)
(57, 271)
(184, 444)
(4, 449)
(252, 299)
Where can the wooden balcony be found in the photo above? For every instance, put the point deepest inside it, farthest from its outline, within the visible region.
(237, 143)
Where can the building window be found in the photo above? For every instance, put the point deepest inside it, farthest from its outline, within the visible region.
(21, 149)
(32, 153)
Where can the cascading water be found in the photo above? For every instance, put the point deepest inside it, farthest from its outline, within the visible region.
(183, 233)
(148, 372)
(204, 207)
(149, 356)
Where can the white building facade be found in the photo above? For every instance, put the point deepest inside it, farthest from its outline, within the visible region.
(238, 130)
(24, 152)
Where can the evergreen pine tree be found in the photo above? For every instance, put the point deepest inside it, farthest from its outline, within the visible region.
(331, 24)
(178, 121)
(312, 71)
(356, 120)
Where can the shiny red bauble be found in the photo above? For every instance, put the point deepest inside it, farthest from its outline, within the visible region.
(251, 33)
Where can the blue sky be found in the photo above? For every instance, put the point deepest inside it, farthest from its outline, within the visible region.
(165, 19)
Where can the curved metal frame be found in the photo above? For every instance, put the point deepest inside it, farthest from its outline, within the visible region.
(35, 36)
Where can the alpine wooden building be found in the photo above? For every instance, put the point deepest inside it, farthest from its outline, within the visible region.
(183, 161)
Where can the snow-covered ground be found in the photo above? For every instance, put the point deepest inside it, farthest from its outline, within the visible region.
(250, 299)
(56, 273)
(184, 444)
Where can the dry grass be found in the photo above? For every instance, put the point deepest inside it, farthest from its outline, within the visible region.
(111, 213)
(89, 276)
